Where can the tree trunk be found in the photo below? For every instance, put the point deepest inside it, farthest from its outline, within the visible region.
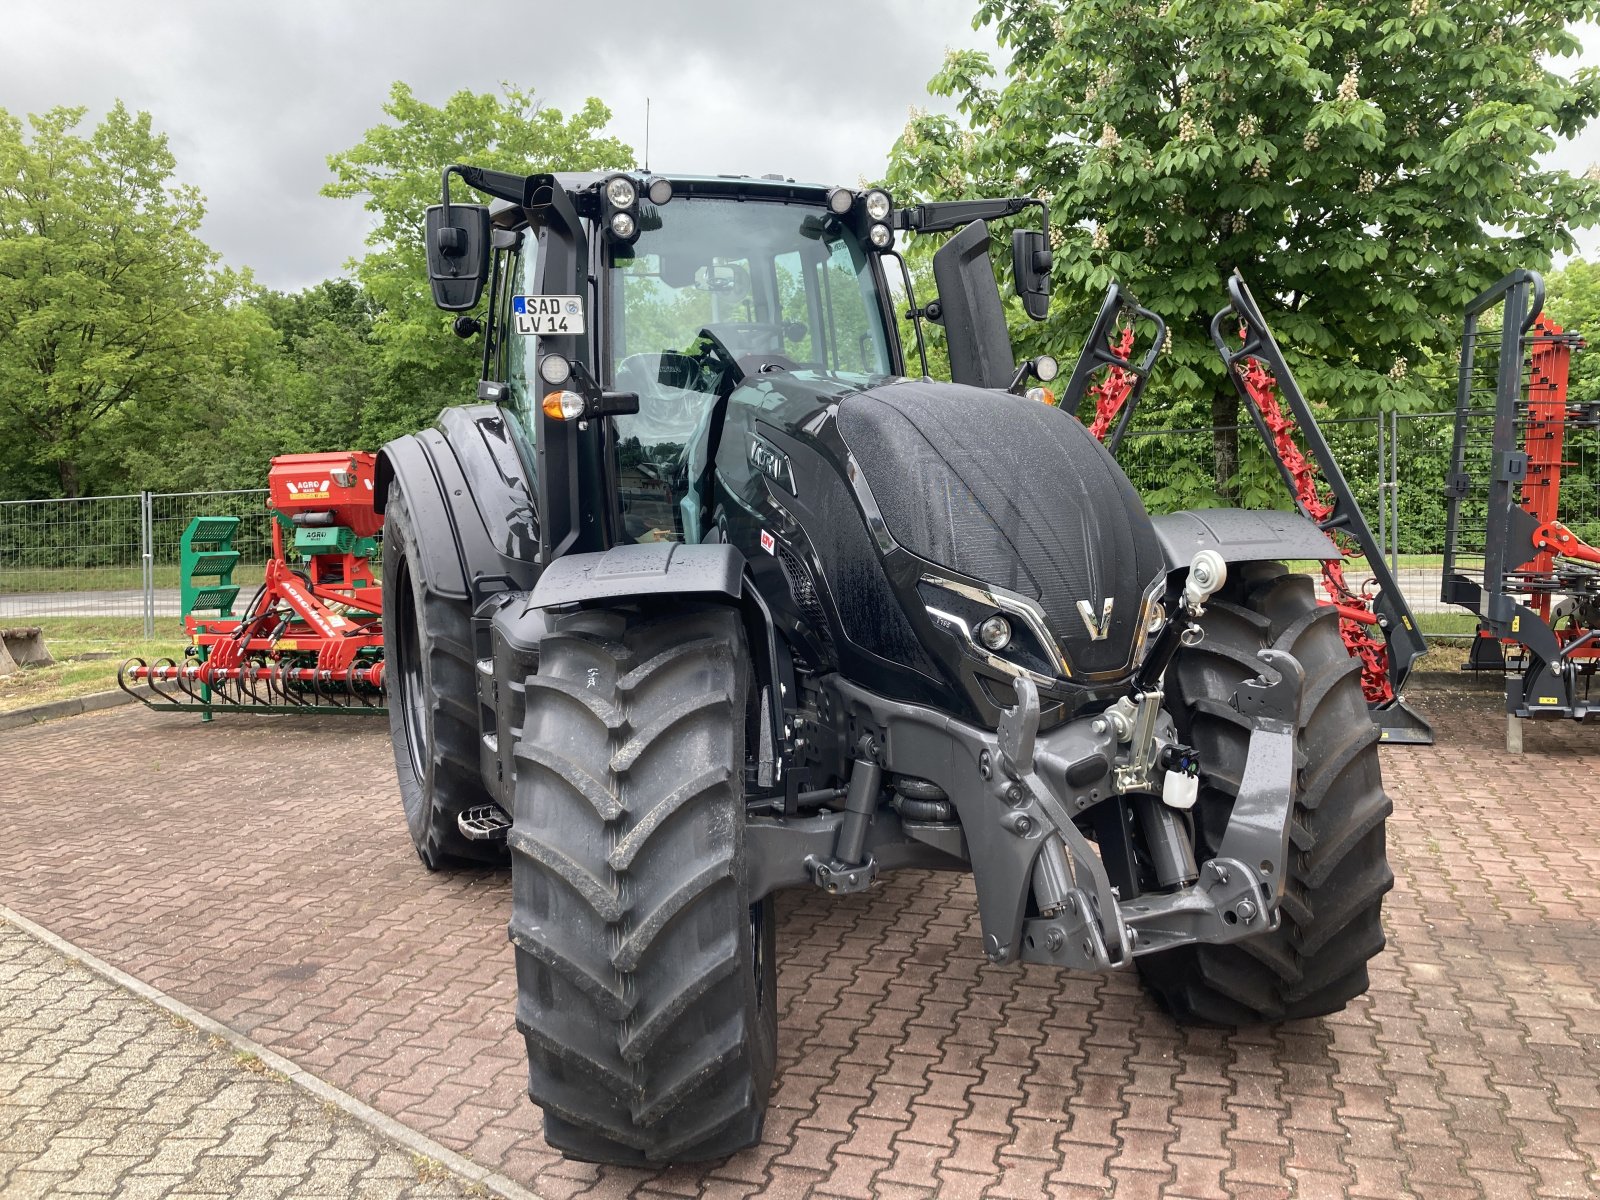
(67, 473)
(1225, 439)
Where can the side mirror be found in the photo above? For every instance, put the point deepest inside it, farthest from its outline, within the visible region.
(1030, 265)
(458, 254)
(974, 318)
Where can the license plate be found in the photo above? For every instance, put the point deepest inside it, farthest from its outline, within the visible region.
(546, 315)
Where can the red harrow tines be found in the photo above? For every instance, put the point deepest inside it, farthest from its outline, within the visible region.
(1377, 627)
(1116, 393)
(311, 636)
(1113, 390)
(1357, 620)
(1510, 557)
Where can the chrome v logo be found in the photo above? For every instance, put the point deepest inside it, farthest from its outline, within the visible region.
(1098, 629)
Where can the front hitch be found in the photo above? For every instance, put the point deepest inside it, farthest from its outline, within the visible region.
(1084, 924)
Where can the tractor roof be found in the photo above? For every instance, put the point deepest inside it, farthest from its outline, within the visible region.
(770, 187)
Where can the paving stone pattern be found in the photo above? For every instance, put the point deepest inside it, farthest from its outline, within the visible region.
(258, 868)
(104, 1094)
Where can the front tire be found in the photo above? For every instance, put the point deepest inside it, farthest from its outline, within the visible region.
(433, 699)
(1316, 961)
(646, 980)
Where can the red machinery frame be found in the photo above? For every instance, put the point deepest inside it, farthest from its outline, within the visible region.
(312, 634)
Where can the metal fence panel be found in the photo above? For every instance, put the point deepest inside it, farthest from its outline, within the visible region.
(78, 557)
(118, 555)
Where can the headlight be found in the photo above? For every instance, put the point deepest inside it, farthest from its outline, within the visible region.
(554, 370)
(841, 201)
(621, 192)
(995, 632)
(878, 205)
(1046, 367)
(999, 629)
(660, 191)
(880, 236)
(623, 225)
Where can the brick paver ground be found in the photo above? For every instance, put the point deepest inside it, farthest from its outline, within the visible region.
(104, 1094)
(259, 869)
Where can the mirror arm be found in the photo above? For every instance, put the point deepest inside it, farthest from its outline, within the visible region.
(502, 185)
(941, 216)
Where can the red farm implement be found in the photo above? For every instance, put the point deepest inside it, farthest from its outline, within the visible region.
(1511, 556)
(311, 636)
(1376, 622)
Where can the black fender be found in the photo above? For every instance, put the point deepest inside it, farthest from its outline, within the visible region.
(1240, 535)
(469, 496)
(711, 570)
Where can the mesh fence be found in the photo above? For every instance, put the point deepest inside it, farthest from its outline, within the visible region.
(81, 557)
(118, 555)
(114, 556)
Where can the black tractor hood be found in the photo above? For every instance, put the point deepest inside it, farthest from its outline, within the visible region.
(1017, 494)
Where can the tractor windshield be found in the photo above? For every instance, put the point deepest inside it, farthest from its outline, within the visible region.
(783, 281)
(779, 285)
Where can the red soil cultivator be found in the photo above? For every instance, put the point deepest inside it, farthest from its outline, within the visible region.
(1376, 624)
(311, 636)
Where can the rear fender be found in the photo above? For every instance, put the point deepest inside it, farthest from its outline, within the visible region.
(467, 493)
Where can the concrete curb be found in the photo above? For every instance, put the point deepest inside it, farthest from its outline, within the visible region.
(73, 707)
(387, 1126)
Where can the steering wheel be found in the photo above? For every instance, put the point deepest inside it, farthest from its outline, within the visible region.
(714, 352)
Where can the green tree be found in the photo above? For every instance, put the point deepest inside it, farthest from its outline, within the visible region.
(395, 167)
(1572, 300)
(300, 372)
(107, 293)
(1369, 165)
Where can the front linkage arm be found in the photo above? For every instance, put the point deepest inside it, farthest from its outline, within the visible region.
(1018, 791)
(1238, 891)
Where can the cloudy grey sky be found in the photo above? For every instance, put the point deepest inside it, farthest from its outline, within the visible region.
(255, 97)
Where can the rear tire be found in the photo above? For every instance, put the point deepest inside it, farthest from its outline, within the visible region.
(1316, 961)
(433, 699)
(646, 981)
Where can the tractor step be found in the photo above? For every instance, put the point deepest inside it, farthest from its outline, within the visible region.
(486, 823)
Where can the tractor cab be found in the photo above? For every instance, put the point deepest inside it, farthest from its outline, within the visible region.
(649, 299)
(715, 291)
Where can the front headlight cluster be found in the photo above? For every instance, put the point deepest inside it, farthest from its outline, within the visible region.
(998, 629)
(1011, 634)
(875, 205)
(620, 197)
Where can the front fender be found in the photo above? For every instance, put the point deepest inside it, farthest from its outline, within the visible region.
(637, 571)
(1240, 535)
(669, 570)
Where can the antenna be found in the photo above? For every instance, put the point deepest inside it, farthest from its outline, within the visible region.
(647, 134)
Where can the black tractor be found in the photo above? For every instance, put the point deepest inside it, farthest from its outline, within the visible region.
(710, 596)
